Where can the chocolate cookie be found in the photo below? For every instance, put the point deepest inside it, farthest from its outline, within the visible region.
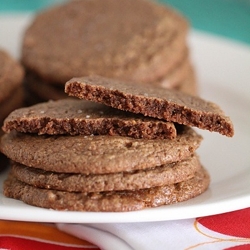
(155, 102)
(131, 40)
(163, 175)
(113, 201)
(97, 154)
(76, 117)
(11, 75)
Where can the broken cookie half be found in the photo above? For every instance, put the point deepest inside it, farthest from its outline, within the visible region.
(157, 102)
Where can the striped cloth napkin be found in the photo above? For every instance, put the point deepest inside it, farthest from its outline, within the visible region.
(224, 231)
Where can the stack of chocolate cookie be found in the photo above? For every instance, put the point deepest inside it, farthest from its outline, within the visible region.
(132, 40)
(120, 149)
(11, 91)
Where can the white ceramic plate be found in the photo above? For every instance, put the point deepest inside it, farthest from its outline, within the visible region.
(224, 75)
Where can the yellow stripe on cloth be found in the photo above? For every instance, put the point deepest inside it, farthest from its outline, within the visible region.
(46, 232)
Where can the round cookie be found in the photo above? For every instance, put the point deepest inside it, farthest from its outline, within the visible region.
(97, 154)
(132, 40)
(157, 102)
(163, 175)
(113, 201)
(76, 117)
(11, 75)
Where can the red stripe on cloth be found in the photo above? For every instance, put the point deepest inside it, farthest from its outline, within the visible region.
(235, 223)
(242, 247)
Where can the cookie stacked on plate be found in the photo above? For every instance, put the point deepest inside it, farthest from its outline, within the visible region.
(11, 91)
(132, 40)
(81, 155)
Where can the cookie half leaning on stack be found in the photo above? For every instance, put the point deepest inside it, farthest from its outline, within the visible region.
(11, 90)
(57, 163)
(132, 40)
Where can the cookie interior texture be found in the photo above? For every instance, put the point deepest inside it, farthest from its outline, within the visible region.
(78, 117)
(155, 102)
